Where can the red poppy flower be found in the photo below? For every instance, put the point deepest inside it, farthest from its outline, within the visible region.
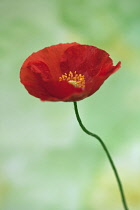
(66, 72)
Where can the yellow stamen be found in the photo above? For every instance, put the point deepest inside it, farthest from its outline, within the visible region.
(77, 80)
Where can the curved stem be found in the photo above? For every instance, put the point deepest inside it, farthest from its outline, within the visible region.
(107, 153)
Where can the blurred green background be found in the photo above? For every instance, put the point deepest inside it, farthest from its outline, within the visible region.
(46, 161)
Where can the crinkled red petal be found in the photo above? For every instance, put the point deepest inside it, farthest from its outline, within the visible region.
(98, 80)
(95, 64)
(34, 78)
(50, 56)
(84, 59)
(63, 91)
(34, 84)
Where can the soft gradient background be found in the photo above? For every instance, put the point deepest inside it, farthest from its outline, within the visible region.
(46, 161)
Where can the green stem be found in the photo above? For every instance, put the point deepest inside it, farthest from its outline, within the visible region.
(107, 153)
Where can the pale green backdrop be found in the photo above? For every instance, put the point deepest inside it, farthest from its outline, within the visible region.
(46, 161)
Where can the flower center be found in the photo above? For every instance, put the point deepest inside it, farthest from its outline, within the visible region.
(77, 80)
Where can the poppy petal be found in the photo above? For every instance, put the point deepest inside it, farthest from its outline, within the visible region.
(34, 84)
(38, 83)
(51, 56)
(63, 90)
(83, 59)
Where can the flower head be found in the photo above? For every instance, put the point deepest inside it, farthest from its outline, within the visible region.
(66, 72)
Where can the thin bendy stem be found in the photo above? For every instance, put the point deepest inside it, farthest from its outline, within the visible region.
(108, 155)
